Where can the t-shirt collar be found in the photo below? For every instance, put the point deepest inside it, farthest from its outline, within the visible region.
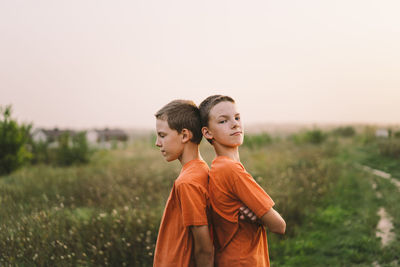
(190, 162)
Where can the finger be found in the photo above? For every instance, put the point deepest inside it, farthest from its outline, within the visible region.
(254, 218)
(245, 211)
(241, 208)
(241, 217)
(251, 214)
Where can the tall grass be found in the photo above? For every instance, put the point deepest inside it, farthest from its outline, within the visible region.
(104, 213)
(295, 176)
(108, 212)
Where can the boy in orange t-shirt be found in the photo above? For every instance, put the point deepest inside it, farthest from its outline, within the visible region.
(238, 242)
(184, 237)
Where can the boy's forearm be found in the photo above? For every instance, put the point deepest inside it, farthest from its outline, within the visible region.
(203, 246)
(274, 222)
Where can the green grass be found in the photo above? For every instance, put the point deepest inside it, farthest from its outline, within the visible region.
(105, 213)
(342, 229)
(376, 155)
(108, 212)
(340, 232)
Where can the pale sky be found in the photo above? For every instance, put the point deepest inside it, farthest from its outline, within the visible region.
(99, 63)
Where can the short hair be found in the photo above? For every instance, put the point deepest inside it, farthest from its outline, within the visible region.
(208, 103)
(182, 114)
(206, 106)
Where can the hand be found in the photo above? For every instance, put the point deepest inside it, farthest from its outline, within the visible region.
(246, 214)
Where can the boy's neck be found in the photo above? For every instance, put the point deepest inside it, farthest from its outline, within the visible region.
(230, 152)
(190, 152)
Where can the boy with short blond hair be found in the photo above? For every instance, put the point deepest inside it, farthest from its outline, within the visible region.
(238, 243)
(184, 237)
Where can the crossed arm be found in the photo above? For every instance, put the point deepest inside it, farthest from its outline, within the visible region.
(203, 246)
(272, 219)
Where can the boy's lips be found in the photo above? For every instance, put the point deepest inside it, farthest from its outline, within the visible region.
(236, 133)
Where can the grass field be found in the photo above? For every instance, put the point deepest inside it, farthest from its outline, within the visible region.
(108, 212)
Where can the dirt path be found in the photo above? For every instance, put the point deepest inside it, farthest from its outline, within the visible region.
(382, 174)
(385, 227)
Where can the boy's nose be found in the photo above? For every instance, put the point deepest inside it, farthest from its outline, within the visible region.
(235, 124)
(158, 142)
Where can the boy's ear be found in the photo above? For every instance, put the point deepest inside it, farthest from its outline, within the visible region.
(186, 135)
(206, 133)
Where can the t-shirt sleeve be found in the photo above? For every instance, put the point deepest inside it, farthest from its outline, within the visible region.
(193, 201)
(249, 192)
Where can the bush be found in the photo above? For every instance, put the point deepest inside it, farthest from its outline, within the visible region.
(69, 150)
(40, 152)
(368, 135)
(76, 151)
(315, 136)
(396, 134)
(347, 131)
(254, 141)
(390, 148)
(13, 141)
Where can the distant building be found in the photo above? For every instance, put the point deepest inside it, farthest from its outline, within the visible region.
(39, 135)
(49, 136)
(382, 133)
(104, 138)
(93, 136)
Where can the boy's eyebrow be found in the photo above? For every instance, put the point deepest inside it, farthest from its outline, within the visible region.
(227, 116)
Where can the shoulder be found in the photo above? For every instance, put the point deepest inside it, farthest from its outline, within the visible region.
(225, 165)
(195, 166)
(191, 190)
(194, 174)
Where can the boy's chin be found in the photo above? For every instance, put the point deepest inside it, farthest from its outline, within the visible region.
(169, 159)
(236, 144)
(231, 144)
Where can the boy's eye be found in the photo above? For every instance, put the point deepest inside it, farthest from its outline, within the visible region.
(237, 118)
(223, 121)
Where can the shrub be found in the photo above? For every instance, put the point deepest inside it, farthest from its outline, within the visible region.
(347, 131)
(390, 148)
(368, 135)
(40, 152)
(13, 141)
(315, 136)
(74, 151)
(254, 141)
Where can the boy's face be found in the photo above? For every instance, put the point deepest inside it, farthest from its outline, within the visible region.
(168, 140)
(225, 125)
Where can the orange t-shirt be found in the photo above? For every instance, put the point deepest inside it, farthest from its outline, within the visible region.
(238, 242)
(187, 205)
